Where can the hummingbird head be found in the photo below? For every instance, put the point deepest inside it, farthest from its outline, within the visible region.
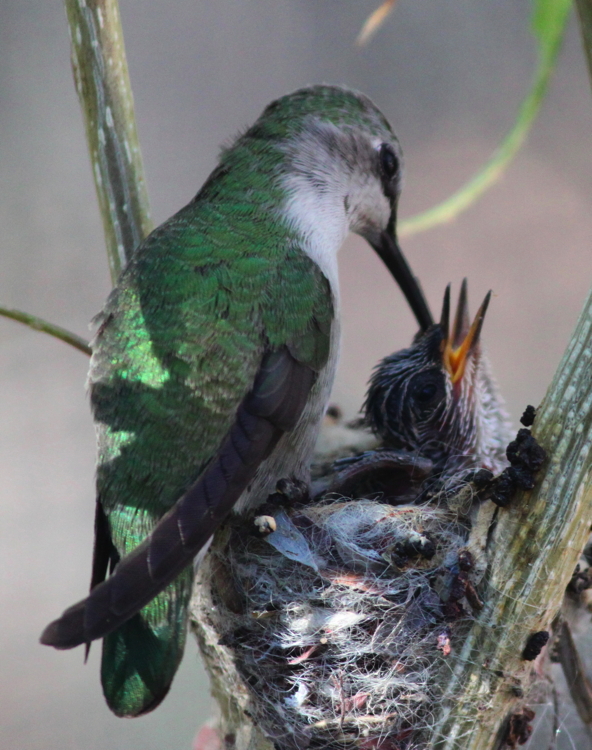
(438, 397)
(341, 155)
(338, 166)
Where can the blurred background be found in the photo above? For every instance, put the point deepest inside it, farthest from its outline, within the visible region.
(448, 75)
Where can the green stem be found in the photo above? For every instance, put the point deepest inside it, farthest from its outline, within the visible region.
(459, 201)
(584, 8)
(38, 324)
(103, 86)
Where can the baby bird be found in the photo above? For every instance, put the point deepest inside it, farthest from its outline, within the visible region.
(438, 398)
(437, 413)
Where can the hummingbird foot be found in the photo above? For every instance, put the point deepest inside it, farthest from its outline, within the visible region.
(289, 493)
(265, 525)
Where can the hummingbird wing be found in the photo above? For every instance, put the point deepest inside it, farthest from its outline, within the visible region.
(272, 407)
(203, 360)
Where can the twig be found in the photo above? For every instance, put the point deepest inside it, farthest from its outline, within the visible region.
(584, 8)
(374, 22)
(38, 324)
(574, 671)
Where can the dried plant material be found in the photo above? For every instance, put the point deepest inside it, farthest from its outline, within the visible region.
(374, 22)
(443, 643)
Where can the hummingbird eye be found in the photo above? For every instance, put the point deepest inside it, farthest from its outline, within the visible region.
(389, 163)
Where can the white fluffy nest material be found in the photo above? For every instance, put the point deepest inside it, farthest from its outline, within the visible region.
(341, 620)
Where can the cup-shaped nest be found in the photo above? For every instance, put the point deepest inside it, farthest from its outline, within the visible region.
(340, 619)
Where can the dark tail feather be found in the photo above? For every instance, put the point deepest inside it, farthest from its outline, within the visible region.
(59, 632)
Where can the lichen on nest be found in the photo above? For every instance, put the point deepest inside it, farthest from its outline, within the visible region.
(340, 621)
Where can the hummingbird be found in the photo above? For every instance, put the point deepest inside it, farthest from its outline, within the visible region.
(212, 366)
(438, 401)
(438, 398)
(436, 410)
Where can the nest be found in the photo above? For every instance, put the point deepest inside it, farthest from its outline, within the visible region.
(340, 620)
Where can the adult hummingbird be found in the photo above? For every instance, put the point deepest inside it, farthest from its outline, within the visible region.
(213, 363)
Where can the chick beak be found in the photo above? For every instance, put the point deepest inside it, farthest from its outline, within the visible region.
(387, 248)
(462, 341)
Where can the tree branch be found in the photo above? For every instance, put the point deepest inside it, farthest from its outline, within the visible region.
(102, 82)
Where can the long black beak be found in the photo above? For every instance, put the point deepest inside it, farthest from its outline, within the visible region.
(388, 249)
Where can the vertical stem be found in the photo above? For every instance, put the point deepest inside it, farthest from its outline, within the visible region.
(584, 8)
(102, 82)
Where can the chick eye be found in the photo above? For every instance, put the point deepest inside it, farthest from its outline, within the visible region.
(389, 163)
(426, 393)
(427, 389)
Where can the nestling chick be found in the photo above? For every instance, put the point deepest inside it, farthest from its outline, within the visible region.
(438, 398)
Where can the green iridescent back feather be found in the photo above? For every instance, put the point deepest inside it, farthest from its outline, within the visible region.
(180, 341)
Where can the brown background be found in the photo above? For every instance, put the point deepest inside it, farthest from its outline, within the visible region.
(449, 75)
